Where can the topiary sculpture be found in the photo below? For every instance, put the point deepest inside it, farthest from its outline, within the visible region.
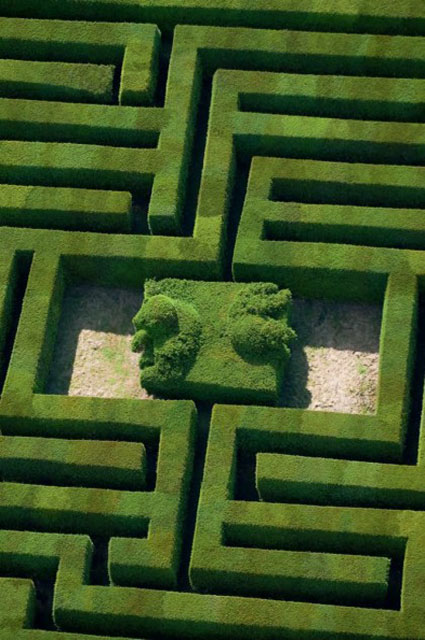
(258, 322)
(168, 331)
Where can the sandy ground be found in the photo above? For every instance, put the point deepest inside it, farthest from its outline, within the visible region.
(92, 354)
(334, 363)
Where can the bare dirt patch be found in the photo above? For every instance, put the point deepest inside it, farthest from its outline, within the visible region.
(334, 362)
(92, 355)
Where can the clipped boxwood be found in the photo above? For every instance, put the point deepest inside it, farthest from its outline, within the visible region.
(213, 341)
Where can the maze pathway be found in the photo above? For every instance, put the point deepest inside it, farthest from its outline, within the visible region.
(211, 140)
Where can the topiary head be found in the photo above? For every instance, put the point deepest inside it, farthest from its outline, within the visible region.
(246, 335)
(158, 316)
(258, 322)
(258, 339)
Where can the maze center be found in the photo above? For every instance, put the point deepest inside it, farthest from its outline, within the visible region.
(244, 182)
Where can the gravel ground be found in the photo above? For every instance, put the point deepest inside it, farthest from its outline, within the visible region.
(334, 363)
(92, 354)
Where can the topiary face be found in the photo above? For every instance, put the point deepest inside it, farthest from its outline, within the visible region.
(259, 323)
(158, 317)
(168, 332)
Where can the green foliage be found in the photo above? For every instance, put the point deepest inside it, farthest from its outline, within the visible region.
(325, 133)
(69, 209)
(213, 340)
(140, 340)
(169, 331)
(258, 322)
(56, 81)
(349, 17)
(74, 462)
(158, 317)
(18, 604)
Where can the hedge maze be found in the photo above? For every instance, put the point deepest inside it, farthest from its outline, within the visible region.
(224, 156)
